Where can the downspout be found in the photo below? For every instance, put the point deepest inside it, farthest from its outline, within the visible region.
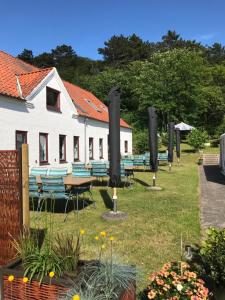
(85, 140)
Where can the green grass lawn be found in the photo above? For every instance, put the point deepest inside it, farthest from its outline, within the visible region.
(156, 220)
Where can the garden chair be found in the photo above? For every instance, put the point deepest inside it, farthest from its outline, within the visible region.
(138, 161)
(53, 188)
(38, 171)
(79, 170)
(147, 159)
(162, 157)
(33, 189)
(124, 175)
(129, 163)
(57, 172)
(100, 170)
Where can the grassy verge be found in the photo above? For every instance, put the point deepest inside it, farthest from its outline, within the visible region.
(152, 233)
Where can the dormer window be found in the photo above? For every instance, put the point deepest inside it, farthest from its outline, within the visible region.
(52, 99)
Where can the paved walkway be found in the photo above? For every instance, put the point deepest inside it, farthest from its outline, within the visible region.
(212, 189)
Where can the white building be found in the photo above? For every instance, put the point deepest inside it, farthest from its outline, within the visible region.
(61, 122)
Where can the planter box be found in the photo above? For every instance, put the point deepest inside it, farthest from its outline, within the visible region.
(48, 290)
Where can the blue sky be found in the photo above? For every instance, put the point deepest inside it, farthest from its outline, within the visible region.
(41, 25)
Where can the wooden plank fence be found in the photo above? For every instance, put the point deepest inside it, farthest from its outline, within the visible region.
(10, 202)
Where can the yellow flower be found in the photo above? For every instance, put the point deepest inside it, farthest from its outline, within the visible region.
(76, 297)
(82, 232)
(96, 238)
(10, 278)
(25, 279)
(111, 238)
(103, 247)
(51, 274)
(103, 233)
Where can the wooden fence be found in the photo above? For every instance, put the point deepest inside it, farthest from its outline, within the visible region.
(10, 202)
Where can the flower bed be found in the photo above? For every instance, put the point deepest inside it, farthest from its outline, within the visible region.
(176, 281)
(18, 287)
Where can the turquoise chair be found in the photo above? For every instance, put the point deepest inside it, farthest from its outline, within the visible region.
(124, 174)
(138, 161)
(99, 170)
(33, 187)
(129, 163)
(79, 170)
(162, 157)
(147, 159)
(38, 171)
(57, 172)
(54, 188)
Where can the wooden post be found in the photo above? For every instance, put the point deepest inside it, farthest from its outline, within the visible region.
(25, 187)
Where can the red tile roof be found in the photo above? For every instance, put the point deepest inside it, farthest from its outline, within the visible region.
(28, 81)
(17, 76)
(88, 105)
(9, 68)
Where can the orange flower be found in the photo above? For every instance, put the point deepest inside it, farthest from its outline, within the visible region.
(151, 294)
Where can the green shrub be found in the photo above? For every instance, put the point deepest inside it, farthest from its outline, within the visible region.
(140, 141)
(197, 138)
(213, 255)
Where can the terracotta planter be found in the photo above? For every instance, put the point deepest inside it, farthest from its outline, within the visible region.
(48, 290)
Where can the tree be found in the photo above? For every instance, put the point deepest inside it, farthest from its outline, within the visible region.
(197, 139)
(44, 60)
(216, 53)
(120, 50)
(26, 55)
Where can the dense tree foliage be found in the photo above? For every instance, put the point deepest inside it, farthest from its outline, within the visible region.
(183, 79)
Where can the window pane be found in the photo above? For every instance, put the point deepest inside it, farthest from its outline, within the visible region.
(43, 147)
(126, 146)
(100, 148)
(21, 138)
(90, 148)
(62, 148)
(76, 148)
(52, 98)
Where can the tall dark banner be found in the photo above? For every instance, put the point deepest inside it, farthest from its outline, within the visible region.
(170, 141)
(153, 138)
(114, 137)
(177, 131)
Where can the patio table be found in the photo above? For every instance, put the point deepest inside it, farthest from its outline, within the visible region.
(70, 180)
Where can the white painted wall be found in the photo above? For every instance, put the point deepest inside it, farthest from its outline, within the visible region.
(32, 116)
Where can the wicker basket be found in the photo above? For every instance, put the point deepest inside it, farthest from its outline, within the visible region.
(48, 290)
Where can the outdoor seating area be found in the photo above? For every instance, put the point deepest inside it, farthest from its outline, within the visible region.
(112, 152)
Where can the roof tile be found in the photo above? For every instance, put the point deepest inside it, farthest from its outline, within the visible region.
(14, 71)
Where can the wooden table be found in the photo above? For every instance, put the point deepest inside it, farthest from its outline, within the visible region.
(126, 168)
(70, 180)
